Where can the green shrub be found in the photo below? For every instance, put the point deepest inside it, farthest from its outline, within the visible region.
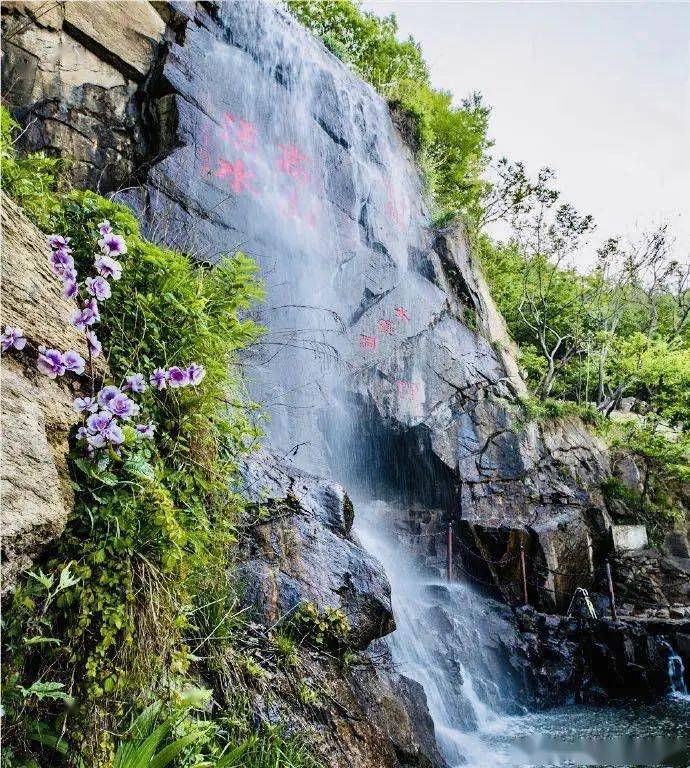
(664, 465)
(328, 627)
(33, 180)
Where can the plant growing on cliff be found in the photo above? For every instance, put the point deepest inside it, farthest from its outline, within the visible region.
(151, 534)
(327, 627)
(30, 180)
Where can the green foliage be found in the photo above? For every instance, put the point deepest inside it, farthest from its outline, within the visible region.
(286, 648)
(452, 140)
(543, 410)
(140, 748)
(33, 180)
(664, 465)
(328, 627)
(141, 567)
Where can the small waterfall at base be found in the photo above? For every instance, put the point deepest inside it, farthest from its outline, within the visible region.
(676, 673)
(448, 638)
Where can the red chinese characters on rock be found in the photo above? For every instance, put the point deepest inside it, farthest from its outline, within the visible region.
(407, 390)
(239, 176)
(293, 163)
(293, 208)
(240, 133)
(396, 207)
(368, 342)
(385, 326)
(402, 314)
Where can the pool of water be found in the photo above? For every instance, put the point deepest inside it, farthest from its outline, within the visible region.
(629, 735)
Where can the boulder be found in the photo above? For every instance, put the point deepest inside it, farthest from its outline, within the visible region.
(577, 660)
(71, 73)
(297, 549)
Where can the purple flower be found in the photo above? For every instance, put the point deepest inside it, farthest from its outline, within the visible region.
(50, 362)
(98, 287)
(61, 262)
(122, 407)
(114, 435)
(113, 245)
(69, 288)
(135, 383)
(104, 227)
(82, 433)
(58, 242)
(159, 379)
(73, 362)
(94, 344)
(92, 306)
(13, 337)
(99, 422)
(146, 430)
(85, 405)
(107, 394)
(177, 377)
(96, 440)
(108, 267)
(195, 373)
(82, 318)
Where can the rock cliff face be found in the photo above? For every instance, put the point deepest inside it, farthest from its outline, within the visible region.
(36, 412)
(386, 366)
(389, 366)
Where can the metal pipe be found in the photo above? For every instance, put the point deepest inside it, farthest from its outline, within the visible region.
(523, 567)
(449, 564)
(612, 596)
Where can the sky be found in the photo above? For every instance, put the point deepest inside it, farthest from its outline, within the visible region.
(600, 92)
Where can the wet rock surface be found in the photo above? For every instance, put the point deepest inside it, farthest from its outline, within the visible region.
(577, 660)
(298, 550)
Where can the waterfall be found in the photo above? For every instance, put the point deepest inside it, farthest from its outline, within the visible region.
(448, 638)
(303, 160)
(676, 672)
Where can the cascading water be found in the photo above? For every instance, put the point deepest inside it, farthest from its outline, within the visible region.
(676, 672)
(447, 638)
(307, 156)
(298, 163)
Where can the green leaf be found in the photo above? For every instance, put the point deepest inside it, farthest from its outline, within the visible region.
(139, 467)
(169, 753)
(230, 760)
(42, 578)
(50, 690)
(66, 578)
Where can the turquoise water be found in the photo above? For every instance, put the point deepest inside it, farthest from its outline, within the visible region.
(629, 735)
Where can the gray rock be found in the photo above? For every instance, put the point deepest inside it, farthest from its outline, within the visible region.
(297, 550)
(36, 412)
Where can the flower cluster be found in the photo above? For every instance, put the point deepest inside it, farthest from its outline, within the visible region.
(106, 413)
(52, 362)
(176, 377)
(13, 338)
